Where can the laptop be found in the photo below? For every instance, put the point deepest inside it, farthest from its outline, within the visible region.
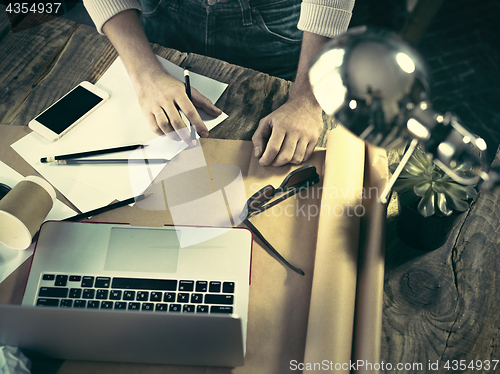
(121, 293)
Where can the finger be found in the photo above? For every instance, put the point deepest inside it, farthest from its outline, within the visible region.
(300, 152)
(204, 103)
(309, 151)
(177, 123)
(193, 117)
(287, 151)
(152, 124)
(273, 147)
(260, 136)
(162, 121)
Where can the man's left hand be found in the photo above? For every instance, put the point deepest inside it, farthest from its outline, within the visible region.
(291, 133)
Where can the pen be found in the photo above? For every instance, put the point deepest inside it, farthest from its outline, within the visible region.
(106, 208)
(91, 153)
(188, 93)
(112, 161)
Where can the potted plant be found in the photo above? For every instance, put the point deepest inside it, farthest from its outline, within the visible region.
(430, 201)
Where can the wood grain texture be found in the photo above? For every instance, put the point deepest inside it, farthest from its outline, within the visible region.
(82, 56)
(441, 305)
(4, 22)
(172, 55)
(25, 58)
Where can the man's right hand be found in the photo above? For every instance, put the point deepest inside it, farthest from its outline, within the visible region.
(160, 95)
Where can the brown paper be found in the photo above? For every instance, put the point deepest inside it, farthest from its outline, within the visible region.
(370, 282)
(333, 294)
(279, 297)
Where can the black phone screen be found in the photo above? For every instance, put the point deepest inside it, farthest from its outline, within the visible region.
(69, 109)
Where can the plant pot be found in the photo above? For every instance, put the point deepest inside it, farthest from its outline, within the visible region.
(424, 233)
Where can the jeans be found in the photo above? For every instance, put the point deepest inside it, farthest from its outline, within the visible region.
(257, 34)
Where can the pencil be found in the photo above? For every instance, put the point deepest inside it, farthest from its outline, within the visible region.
(91, 153)
(187, 83)
(112, 161)
(106, 208)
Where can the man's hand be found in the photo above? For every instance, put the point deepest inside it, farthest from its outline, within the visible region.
(161, 96)
(291, 133)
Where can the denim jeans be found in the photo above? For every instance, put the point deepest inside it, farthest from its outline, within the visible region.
(257, 34)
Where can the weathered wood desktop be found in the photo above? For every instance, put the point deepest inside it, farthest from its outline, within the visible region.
(439, 307)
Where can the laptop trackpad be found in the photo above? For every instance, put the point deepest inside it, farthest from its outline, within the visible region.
(142, 250)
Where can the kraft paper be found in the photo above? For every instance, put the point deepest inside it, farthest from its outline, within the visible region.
(333, 294)
(371, 262)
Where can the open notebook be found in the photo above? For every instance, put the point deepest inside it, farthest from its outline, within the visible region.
(113, 292)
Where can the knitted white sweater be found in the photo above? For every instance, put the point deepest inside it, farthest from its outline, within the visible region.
(323, 17)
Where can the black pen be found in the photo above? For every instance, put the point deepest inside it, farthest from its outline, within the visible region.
(92, 153)
(188, 93)
(112, 161)
(107, 208)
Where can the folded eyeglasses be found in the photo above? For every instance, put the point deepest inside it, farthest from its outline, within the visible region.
(260, 201)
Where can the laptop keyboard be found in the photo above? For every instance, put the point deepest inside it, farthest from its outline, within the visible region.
(139, 294)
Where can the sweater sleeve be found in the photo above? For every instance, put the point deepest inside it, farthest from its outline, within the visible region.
(101, 11)
(325, 17)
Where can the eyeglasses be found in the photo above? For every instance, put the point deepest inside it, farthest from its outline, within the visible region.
(294, 182)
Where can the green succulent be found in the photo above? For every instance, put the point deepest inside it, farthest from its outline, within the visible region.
(422, 182)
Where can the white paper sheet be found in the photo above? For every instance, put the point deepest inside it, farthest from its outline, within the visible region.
(10, 259)
(118, 122)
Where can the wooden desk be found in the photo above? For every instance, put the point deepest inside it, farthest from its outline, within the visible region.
(438, 306)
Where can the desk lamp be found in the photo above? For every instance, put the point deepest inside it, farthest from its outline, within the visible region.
(377, 86)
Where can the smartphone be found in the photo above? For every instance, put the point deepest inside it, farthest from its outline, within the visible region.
(68, 111)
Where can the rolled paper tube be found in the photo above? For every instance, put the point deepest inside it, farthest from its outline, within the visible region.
(333, 293)
(23, 210)
(371, 264)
